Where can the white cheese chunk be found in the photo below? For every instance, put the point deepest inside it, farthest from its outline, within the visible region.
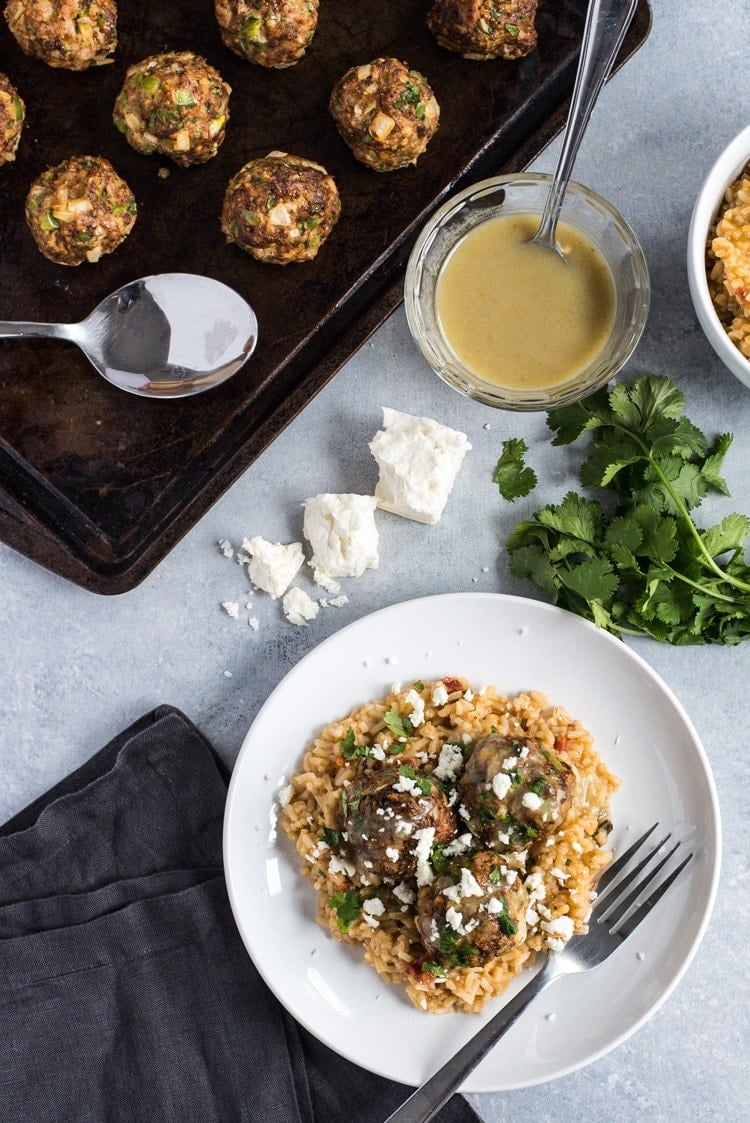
(532, 801)
(450, 762)
(418, 460)
(273, 565)
(403, 893)
(416, 701)
(424, 839)
(342, 532)
(298, 607)
(501, 784)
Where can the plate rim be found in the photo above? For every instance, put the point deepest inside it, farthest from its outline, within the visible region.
(714, 851)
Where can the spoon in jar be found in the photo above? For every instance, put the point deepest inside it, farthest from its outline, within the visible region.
(606, 24)
(167, 336)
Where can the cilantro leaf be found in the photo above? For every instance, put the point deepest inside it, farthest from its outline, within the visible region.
(633, 560)
(399, 726)
(349, 750)
(512, 476)
(408, 771)
(348, 906)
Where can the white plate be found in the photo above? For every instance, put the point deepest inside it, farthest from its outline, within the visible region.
(640, 730)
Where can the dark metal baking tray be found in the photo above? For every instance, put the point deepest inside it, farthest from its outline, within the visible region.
(97, 485)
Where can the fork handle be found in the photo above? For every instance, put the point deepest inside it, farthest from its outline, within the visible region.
(431, 1096)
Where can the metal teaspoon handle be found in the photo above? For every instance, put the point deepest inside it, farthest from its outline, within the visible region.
(14, 329)
(606, 24)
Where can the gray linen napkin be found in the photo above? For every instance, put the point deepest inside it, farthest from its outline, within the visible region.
(125, 991)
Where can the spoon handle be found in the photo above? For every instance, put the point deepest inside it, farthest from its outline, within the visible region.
(603, 33)
(14, 329)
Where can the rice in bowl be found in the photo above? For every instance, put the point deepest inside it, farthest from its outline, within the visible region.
(407, 732)
(728, 262)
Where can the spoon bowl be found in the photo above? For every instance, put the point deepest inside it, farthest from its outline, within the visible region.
(170, 335)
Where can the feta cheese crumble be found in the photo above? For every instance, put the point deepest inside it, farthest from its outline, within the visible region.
(439, 695)
(501, 784)
(298, 607)
(450, 762)
(424, 839)
(273, 565)
(342, 533)
(418, 461)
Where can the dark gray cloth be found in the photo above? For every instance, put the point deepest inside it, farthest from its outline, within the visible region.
(125, 991)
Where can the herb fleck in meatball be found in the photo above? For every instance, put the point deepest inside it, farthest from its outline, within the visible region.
(12, 113)
(472, 912)
(273, 33)
(385, 112)
(79, 210)
(514, 791)
(384, 815)
(176, 104)
(70, 34)
(280, 208)
(484, 29)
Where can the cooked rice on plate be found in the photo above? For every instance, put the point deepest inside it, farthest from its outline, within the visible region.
(451, 835)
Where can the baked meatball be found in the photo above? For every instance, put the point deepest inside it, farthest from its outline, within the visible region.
(79, 210)
(70, 34)
(174, 103)
(383, 815)
(470, 913)
(12, 113)
(280, 208)
(513, 791)
(385, 112)
(484, 29)
(273, 33)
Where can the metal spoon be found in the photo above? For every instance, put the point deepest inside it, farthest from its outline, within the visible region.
(606, 24)
(166, 336)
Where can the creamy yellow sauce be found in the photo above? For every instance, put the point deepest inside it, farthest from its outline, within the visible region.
(517, 315)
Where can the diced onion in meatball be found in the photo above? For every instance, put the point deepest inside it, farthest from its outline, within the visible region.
(472, 912)
(513, 791)
(12, 114)
(385, 112)
(69, 34)
(280, 208)
(176, 104)
(79, 210)
(484, 29)
(273, 33)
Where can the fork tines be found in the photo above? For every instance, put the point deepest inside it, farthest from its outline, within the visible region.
(615, 909)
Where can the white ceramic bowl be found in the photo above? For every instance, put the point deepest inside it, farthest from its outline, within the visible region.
(726, 169)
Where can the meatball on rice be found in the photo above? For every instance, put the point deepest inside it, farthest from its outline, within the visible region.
(176, 104)
(385, 112)
(79, 210)
(69, 34)
(484, 29)
(273, 33)
(280, 208)
(12, 113)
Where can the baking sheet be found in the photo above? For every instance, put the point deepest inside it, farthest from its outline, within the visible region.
(98, 485)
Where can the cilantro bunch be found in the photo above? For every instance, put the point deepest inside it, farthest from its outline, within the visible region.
(635, 562)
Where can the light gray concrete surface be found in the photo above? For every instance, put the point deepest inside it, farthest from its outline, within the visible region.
(76, 667)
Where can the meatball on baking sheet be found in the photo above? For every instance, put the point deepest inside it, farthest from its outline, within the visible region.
(102, 498)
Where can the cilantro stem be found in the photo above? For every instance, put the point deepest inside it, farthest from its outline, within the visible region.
(705, 558)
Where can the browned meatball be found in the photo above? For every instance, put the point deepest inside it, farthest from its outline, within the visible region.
(470, 914)
(79, 210)
(385, 112)
(174, 103)
(384, 815)
(274, 33)
(484, 29)
(280, 208)
(70, 34)
(513, 791)
(12, 113)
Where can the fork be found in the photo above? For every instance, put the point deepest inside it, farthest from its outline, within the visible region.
(615, 916)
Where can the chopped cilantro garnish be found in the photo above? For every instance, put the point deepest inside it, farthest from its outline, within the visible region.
(349, 750)
(539, 786)
(419, 685)
(517, 831)
(495, 875)
(455, 954)
(348, 906)
(505, 922)
(437, 857)
(433, 968)
(331, 836)
(399, 726)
